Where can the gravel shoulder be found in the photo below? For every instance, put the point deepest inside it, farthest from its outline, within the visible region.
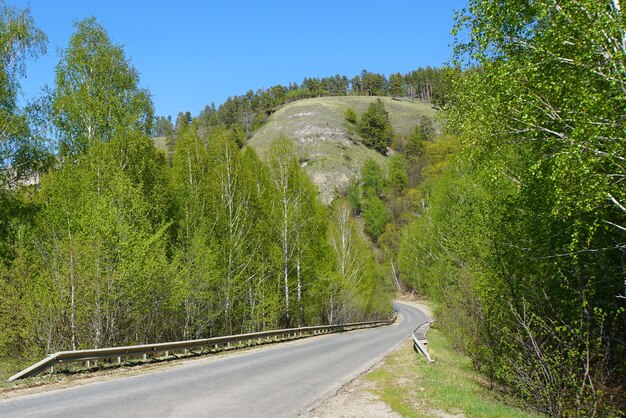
(356, 399)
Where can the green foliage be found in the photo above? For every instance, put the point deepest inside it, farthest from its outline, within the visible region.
(299, 221)
(96, 255)
(353, 196)
(358, 290)
(415, 145)
(425, 126)
(22, 153)
(375, 127)
(519, 240)
(375, 216)
(372, 178)
(398, 179)
(96, 94)
(396, 85)
(449, 386)
(120, 244)
(350, 116)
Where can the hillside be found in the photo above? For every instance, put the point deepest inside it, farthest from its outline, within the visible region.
(328, 152)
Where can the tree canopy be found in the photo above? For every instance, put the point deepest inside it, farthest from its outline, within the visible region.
(375, 127)
(97, 93)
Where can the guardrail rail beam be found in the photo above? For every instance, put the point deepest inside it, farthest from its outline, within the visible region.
(169, 347)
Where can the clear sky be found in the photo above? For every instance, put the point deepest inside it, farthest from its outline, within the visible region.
(191, 53)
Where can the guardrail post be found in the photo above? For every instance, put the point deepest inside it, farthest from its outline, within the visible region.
(419, 338)
(119, 360)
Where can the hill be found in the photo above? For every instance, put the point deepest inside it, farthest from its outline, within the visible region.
(330, 154)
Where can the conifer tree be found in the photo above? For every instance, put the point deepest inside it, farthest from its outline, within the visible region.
(375, 127)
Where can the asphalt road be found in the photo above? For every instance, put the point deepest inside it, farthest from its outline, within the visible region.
(283, 380)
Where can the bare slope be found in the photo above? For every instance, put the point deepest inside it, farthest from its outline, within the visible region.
(327, 151)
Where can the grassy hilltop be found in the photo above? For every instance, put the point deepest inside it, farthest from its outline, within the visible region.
(330, 154)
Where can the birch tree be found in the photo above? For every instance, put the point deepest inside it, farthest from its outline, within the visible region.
(97, 93)
(20, 151)
(195, 263)
(236, 215)
(293, 213)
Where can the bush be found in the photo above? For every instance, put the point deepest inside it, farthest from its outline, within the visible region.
(350, 116)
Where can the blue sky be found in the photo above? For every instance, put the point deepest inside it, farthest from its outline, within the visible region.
(192, 53)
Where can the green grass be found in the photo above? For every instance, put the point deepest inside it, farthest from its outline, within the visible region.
(333, 155)
(414, 388)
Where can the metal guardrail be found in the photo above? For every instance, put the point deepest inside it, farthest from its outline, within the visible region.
(420, 340)
(65, 357)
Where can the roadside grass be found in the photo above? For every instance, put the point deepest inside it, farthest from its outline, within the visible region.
(448, 387)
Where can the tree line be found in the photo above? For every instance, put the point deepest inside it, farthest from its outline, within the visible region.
(119, 244)
(247, 112)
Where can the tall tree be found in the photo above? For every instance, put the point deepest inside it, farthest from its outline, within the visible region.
(396, 85)
(236, 215)
(97, 93)
(194, 253)
(97, 259)
(294, 212)
(20, 151)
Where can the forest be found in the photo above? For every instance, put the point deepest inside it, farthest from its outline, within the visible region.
(107, 241)
(507, 212)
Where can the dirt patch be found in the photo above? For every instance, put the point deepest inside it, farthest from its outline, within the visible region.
(301, 115)
(354, 400)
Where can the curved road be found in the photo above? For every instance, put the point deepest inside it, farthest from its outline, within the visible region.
(280, 381)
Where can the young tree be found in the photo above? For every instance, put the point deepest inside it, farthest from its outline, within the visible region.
(355, 290)
(195, 263)
(398, 179)
(236, 216)
(372, 178)
(350, 116)
(99, 258)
